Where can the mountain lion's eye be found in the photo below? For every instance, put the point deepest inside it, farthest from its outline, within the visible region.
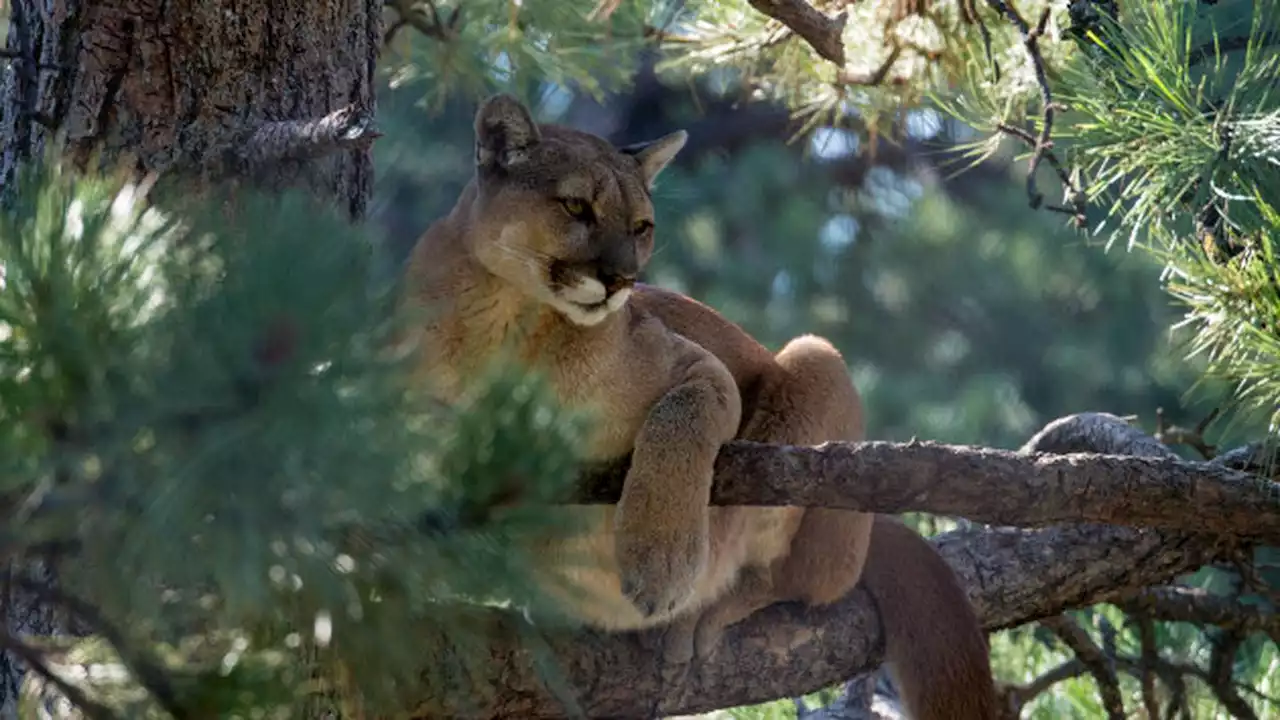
(576, 208)
(641, 227)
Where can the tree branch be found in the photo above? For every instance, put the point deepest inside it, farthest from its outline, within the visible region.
(1026, 489)
(824, 34)
(1041, 145)
(259, 151)
(1019, 695)
(1220, 674)
(1194, 605)
(1094, 659)
(1147, 662)
(1012, 576)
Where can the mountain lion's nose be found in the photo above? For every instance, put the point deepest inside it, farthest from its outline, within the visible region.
(614, 282)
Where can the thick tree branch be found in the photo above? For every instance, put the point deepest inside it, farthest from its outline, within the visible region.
(991, 486)
(1012, 576)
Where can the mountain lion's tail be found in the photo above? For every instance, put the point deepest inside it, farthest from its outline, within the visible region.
(935, 649)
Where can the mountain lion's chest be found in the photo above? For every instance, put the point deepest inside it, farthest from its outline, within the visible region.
(586, 372)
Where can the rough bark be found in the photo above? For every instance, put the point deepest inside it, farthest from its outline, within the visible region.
(1013, 576)
(278, 92)
(183, 86)
(1028, 489)
(823, 33)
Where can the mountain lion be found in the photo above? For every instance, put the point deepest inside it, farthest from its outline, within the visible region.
(540, 255)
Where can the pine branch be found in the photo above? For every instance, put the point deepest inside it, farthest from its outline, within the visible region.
(1212, 50)
(149, 674)
(823, 33)
(1026, 489)
(36, 661)
(1013, 577)
(429, 22)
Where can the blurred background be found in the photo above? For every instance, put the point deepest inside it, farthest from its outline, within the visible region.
(965, 315)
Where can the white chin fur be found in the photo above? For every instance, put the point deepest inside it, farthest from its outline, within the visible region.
(618, 300)
(590, 317)
(587, 291)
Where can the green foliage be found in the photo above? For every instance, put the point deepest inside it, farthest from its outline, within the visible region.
(180, 383)
(913, 53)
(1155, 111)
(1181, 123)
(764, 239)
(1171, 122)
(517, 46)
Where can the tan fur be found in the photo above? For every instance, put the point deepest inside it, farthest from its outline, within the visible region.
(514, 269)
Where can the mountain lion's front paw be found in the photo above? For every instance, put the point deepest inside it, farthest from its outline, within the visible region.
(659, 576)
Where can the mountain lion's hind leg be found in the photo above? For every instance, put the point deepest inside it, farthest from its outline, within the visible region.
(811, 400)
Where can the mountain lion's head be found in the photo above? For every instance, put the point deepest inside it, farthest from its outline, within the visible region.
(563, 216)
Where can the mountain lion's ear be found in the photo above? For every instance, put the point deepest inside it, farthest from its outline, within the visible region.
(655, 155)
(505, 132)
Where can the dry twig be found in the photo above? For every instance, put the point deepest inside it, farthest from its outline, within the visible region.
(875, 77)
(1094, 659)
(1041, 145)
(1221, 671)
(1019, 696)
(1149, 660)
(1191, 437)
(262, 150)
(430, 23)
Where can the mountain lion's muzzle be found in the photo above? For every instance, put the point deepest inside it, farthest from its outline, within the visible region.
(599, 284)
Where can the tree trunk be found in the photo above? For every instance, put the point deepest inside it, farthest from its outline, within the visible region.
(277, 92)
(198, 87)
